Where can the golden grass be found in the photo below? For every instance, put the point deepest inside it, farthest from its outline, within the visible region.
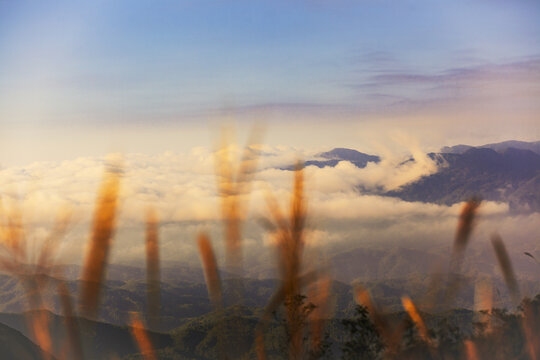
(506, 267)
(465, 224)
(141, 337)
(320, 298)
(531, 316)
(73, 340)
(234, 183)
(290, 235)
(211, 273)
(411, 310)
(153, 292)
(234, 179)
(531, 328)
(470, 350)
(102, 232)
(391, 335)
(213, 284)
(483, 305)
(33, 272)
(290, 242)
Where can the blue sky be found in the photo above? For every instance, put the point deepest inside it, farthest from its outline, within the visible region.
(180, 62)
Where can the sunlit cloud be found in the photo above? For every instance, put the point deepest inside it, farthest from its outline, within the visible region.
(182, 189)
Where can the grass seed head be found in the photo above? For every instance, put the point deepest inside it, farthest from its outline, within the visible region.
(102, 232)
(152, 270)
(141, 337)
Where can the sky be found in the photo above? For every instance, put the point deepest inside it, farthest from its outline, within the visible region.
(139, 76)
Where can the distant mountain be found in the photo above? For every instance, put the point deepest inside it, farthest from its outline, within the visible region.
(120, 272)
(356, 157)
(456, 149)
(533, 146)
(334, 156)
(508, 172)
(362, 264)
(511, 176)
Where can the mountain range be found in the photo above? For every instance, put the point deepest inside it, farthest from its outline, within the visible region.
(533, 146)
(505, 172)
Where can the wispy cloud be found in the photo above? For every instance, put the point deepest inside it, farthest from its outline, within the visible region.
(511, 82)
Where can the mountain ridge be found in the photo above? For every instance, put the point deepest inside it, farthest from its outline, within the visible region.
(506, 172)
(533, 146)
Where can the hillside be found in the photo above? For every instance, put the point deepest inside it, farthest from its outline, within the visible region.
(14, 345)
(99, 340)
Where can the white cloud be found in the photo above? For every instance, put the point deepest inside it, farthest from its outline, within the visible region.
(182, 189)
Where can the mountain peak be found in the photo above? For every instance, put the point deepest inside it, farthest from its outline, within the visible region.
(348, 155)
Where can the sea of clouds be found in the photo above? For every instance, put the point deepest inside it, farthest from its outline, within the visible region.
(182, 188)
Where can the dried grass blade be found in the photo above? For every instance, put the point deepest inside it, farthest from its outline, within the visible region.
(276, 300)
(465, 225)
(234, 182)
(415, 317)
(506, 267)
(213, 284)
(100, 242)
(292, 243)
(532, 257)
(141, 337)
(276, 214)
(463, 233)
(42, 333)
(470, 350)
(72, 327)
(531, 328)
(211, 273)
(250, 157)
(320, 298)
(391, 338)
(50, 245)
(228, 194)
(152, 270)
(13, 236)
(298, 206)
(483, 303)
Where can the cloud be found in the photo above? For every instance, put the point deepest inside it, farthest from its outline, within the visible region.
(405, 89)
(182, 189)
(383, 84)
